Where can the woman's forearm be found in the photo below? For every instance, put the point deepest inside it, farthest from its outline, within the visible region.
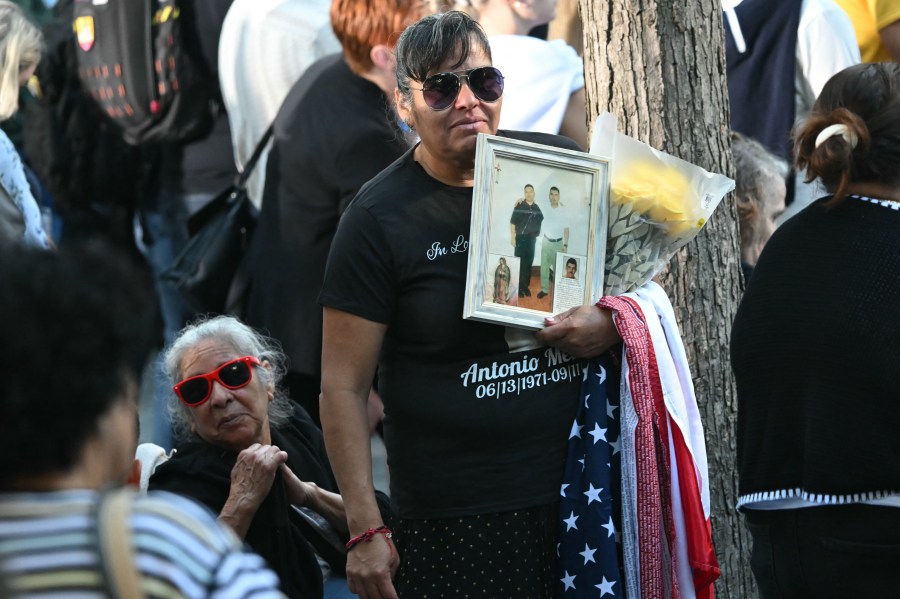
(345, 422)
(238, 513)
(349, 356)
(330, 506)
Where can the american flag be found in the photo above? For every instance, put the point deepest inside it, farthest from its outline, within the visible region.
(590, 546)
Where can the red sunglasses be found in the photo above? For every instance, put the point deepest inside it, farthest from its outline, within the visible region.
(235, 374)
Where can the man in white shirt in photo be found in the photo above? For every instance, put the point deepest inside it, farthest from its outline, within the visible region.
(555, 238)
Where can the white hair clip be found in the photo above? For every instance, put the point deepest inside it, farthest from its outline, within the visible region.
(839, 129)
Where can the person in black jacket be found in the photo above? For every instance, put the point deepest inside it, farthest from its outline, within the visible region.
(336, 130)
(251, 456)
(816, 360)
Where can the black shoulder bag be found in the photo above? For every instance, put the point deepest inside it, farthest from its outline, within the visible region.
(220, 233)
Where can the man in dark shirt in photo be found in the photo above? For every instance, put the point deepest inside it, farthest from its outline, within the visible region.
(524, 228)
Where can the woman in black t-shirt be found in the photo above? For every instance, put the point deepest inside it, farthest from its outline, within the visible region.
(475, 427)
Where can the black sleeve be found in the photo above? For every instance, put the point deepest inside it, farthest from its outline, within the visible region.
(198, 473)
(204, 19)
(359, 274)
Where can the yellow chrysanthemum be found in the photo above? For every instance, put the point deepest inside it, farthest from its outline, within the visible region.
(662, 194)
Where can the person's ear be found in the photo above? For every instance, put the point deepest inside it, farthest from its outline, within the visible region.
(404, 110)
(383, 58)
(747, 208)
(270, 380)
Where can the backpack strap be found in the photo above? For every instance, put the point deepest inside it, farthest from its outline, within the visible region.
(241, 181)
(114, 543)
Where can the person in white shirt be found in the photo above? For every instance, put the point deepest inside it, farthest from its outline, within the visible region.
(544, 81)
(554, 238)
(264, 48)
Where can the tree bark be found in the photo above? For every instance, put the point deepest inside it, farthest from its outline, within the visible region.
(659, 66)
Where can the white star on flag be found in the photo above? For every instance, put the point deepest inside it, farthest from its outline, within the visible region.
(588, 554)
(616, 445)
(593, 494)
(562, 490)
(598, 433)
(605, 587)
(611, 410)
(610, 527)
(576, 430)
(568, 580)
(570, 522)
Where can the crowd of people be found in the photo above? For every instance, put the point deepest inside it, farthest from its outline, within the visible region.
(351, 325)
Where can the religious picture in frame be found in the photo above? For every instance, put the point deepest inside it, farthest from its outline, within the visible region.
(538, 236)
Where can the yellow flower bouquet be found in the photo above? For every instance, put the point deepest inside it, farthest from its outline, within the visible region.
(657, 203)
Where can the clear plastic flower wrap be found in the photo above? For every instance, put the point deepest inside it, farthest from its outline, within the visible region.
(657, 203)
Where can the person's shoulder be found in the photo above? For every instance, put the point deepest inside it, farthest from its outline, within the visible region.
(258, 9)
(384, 189)
(824, 10)
(195, 459)
(802, 225)
(162, 510)
(313, 78)
(886, 12)
(564, 52)
(187, 535)
(7, 149)
(546, 139)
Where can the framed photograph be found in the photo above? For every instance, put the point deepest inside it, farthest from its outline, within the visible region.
(538, 237)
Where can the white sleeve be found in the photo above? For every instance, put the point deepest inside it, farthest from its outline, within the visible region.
(571, 63)
(826, 45)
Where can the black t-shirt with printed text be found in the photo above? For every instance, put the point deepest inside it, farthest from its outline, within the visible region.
(477, 415)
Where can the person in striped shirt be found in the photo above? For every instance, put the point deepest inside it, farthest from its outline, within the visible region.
(76, 332)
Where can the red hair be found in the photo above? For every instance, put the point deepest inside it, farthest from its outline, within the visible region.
(360, 25)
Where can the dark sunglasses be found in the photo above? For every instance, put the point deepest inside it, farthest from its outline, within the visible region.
(235, 374)
(441, 90)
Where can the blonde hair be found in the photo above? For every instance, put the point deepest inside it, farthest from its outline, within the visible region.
(21, 44)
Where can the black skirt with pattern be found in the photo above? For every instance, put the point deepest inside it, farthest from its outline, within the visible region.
(509, 555)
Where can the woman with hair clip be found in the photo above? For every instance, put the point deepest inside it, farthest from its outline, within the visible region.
(20, 52)
(816, 358)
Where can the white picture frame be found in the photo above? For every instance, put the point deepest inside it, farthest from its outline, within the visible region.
(573, 225)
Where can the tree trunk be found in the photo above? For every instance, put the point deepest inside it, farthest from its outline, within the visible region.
(659, 66)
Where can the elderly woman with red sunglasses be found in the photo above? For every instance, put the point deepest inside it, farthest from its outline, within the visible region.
(251, 455)
(475, 480)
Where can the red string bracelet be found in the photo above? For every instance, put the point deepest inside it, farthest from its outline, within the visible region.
(367, 537)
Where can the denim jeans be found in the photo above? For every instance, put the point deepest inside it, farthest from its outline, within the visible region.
(164, 226)
(336, 588)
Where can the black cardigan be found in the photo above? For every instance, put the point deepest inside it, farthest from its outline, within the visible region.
(203, 472)
(815, 349)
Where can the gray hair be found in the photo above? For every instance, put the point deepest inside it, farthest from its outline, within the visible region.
(754, 166)
(756, 169)
(246, 341)
(21, 44)
(433, 40)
